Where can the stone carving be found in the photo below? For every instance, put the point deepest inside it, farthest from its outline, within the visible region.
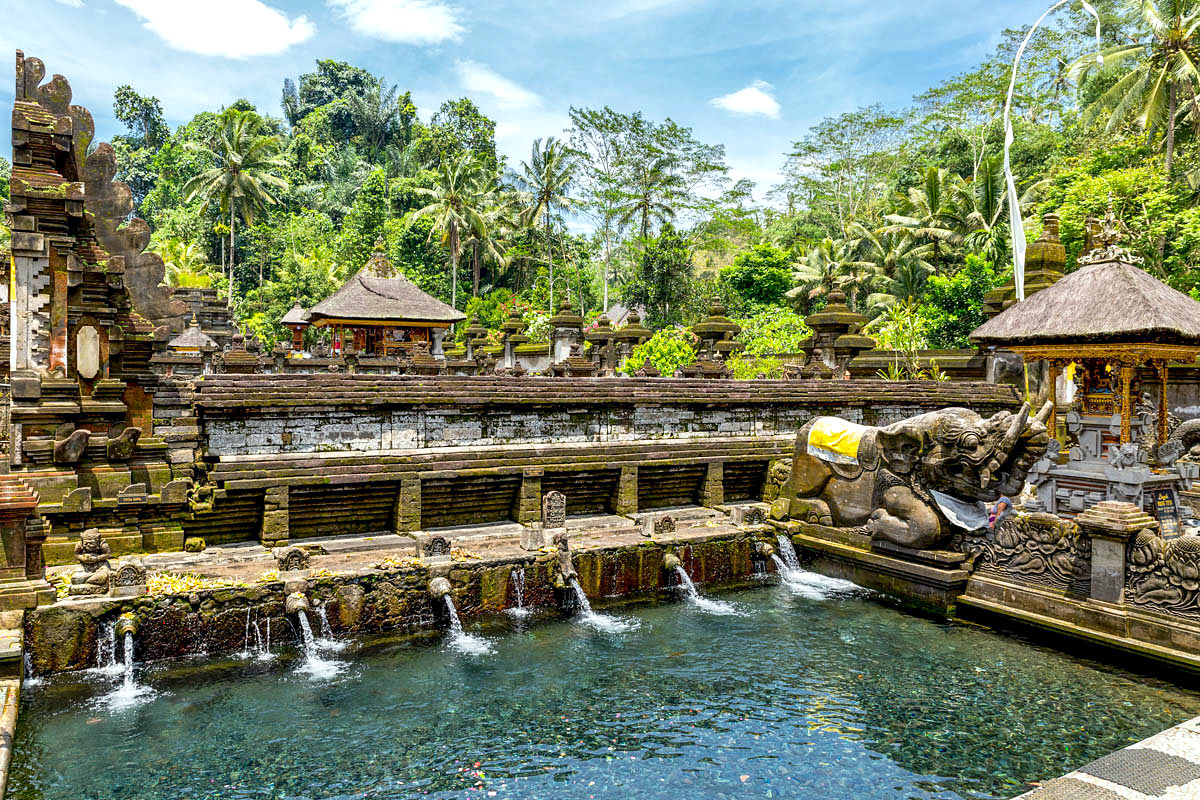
(129, 579)
(291, 559)
(566, 567)
(554, 510)
(777, 478)
(1032, 548)
(94, 572)
(121, 447)
(755, 515)
(1164, 575)
(1124, 456)
(664, 525)
(70, 449)
(1188, 437)
(436, 546)
(882, 479)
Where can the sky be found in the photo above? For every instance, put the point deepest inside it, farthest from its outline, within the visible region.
(753, 75)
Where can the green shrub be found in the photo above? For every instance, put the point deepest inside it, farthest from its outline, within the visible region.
(667, 351)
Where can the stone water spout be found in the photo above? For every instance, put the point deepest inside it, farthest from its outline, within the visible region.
(439, 588)
(671, 562)
(764, 549)
(565, 566)
(296, 602)
(126, 623)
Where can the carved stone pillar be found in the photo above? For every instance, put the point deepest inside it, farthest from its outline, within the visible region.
(1161, 368)
(714, 486)
(1111, 525)
(407, 515)
(627, 492)
(1126, 403)
(275, 520)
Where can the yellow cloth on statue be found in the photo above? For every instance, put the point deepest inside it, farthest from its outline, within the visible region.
(836, 440)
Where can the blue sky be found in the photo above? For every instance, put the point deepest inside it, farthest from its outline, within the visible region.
(753, 75)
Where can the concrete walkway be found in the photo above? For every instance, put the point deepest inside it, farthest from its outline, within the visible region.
(1164, 767)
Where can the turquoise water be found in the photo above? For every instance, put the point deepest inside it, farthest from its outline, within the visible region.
(816, 695)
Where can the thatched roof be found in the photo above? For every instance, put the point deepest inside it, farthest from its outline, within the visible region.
(1107, 302)
(297, 316)
(380, 293)
(193, 337)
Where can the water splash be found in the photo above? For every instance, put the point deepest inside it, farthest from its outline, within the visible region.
(328, 641)
(314, 665)
(702, 603)
(28, 681)
(601, 622)
(106, 650)
(262, 646)
(518, 579)
(787, 552)
(129, 693)
(246, 653)
(462, 641)
(811, 585)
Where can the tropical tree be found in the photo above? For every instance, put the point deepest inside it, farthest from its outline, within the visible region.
(926, 212)
(819, 272)
(1163, 71)
(653, 188)
(457, 206)
(240, 177)
(547, 178)
(186, 263)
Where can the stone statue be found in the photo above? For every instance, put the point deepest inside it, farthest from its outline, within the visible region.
(290, 559)
(913, 483)
(94, 572)
(566, 567)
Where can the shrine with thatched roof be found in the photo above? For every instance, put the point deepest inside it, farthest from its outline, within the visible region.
(380, 312)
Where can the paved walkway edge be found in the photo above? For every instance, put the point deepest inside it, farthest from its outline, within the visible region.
(1164, 767)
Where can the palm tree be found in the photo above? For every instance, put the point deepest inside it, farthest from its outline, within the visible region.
(926, 211)
(1164, 71)
(655, 187)
(547, 177)
(379, 114)
(186, 263)
(457, 206)
(975, 210)
(818, 272)
(501, 216)
(894, 261)
(341, 176)
(240, 177)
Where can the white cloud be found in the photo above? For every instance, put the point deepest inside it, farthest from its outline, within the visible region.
(229, 28)
(401, 21)
(72, 3)
(480, 79)
(754, 99)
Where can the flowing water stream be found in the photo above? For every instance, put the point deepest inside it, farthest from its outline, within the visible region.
(601, 622)
(462, 641)
(800, 581)
(699, 601)
(518, 580)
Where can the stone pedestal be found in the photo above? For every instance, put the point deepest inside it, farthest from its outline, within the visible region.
(407, 513)
(275, 522)
(713, 493)
(529, 503)
(627, 492)
(1111, 525)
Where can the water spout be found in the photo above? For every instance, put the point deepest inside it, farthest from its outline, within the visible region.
(296, 603)
(129, 693)
(460, 640)
(314, 665)
(601, 622)
(699, 601)
(327, 641)
(803, 583)
(518, 580)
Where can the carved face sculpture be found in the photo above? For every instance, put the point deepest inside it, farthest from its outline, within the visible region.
(958, 452)
(90, 541)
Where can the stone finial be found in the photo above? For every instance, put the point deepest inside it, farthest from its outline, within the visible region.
(1114, 519)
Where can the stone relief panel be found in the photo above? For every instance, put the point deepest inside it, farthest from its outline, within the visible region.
(1040, 549)
(1163, 575)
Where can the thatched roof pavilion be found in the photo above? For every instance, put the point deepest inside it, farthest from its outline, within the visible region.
(1110, 316)
(383, 310)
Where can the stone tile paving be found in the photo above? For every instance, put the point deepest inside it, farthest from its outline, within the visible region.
(1164, 767)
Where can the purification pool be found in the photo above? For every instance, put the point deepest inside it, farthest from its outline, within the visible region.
(809, 692)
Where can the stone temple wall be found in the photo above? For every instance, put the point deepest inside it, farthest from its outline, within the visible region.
(250, 415)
